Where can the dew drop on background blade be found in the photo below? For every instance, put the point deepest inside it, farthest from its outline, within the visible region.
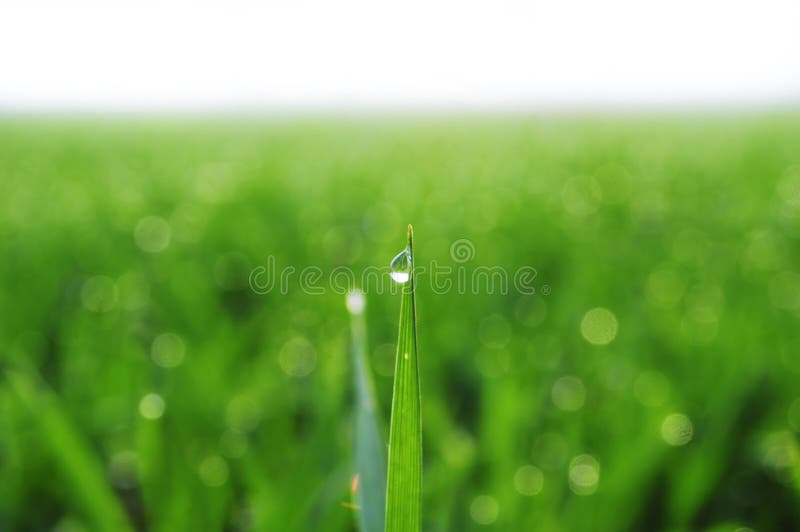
(356, 302)
(400, 267)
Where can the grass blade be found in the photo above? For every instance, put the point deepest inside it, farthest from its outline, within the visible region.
(81, 471)
(369, 487)
(404, 477)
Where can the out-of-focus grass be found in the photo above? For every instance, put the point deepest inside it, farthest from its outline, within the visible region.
(126, 248)
(368, 486)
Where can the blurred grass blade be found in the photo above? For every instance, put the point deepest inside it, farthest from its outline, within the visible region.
(404, 484)
(81, 471)
(369, 485)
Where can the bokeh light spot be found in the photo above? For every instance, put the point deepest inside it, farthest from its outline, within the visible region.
(568, 393)
(529, 480)
(599, 326)
(494, 331)
(677, 429)
(584, 474)
(700, 324)
(69, 524)
(99, 294)
(243, 413)
(213, 471)
(168, 350)
(531, 311)
(297, 357)
(664, 288)
(233, 444)
(781, 455)
(152, 234)
(484, 509)
(122, 469)
(151, 406)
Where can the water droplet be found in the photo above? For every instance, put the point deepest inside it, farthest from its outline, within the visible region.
(401, 267)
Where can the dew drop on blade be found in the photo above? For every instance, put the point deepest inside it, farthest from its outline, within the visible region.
(400, 267)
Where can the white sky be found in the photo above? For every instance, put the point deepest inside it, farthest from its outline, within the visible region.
(418, 54)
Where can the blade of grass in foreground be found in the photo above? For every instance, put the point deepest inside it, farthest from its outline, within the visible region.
(404, 478)
(369, 484)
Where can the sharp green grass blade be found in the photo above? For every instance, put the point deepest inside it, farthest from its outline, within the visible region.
(369, 487)
(404, 478)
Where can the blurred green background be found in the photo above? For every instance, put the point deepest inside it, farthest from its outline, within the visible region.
(651, 383)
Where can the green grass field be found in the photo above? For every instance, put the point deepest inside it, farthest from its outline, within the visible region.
(145, 385)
